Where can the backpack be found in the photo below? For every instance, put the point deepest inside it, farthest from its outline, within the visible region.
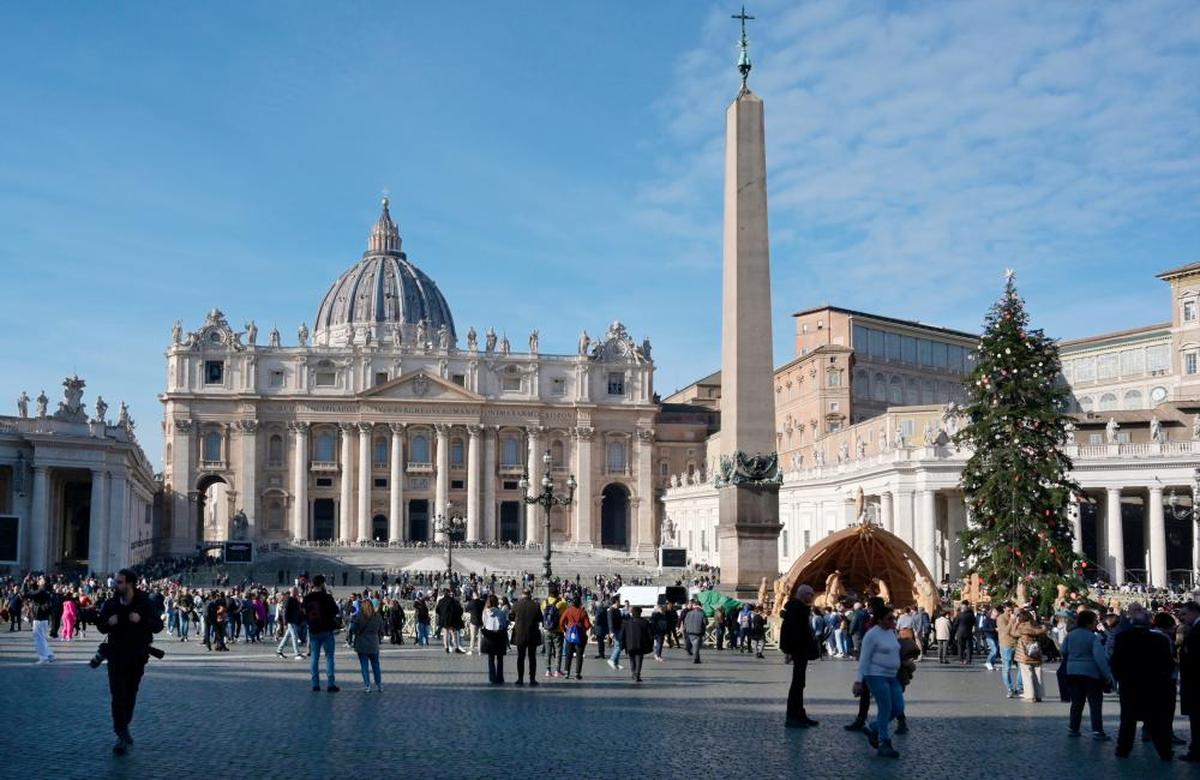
(1033, 649)
(550, 617)
(575, 634)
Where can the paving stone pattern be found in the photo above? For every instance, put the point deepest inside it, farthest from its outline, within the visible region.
(248, 714)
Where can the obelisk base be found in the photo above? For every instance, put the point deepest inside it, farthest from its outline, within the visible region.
(748, 531)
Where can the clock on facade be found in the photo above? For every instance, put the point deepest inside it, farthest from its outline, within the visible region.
(1158, 395)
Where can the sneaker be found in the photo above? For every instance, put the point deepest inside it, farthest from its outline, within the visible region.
(613, 664)
(298, 658)
(333, 689)
(560, 674)
(857, 725)
(316, 688)
(532, 682)
(519, 682)
(279, 653)
(549, 673)
(1073, 732)
(379, 689)
(990, 667)
(1010, 695)
(887, 751)
(872, 736)
(1100, 736)
(902, 727)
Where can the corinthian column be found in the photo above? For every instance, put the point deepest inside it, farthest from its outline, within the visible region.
(300, 481)
(473, 531)
(533, 525)
(582, 532)
(489, 484)
(1158, 539)
(442, 483)
(364, 481)
(396, 485)
(346, 504)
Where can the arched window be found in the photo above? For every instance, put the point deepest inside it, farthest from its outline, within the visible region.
(275, 450)
(557, 456)
(456, 452)
(1133, 399)
(879, 388)
(862, 389)
(1108, 402)
(326, 448)
(381, 451)
(896, 392)
(616, 456)
(418, 449)
(212, 446)
(1086, 404)
(326, 374)
(510, 452)
(275, 515)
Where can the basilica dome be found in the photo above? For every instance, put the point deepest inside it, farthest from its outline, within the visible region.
(381, 294)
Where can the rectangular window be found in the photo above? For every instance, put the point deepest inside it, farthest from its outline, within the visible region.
(1095, 438)
(1067, 366)
(326, 378)
(1106, 367)
(1158, 358)
(380, 377)
(835, 378)
(807, 539)
(862, 339)
(459, 379)
(511, 384)
(940, 354)
(214, 372)
(457, 484)
(664, 469)
(703, 540)
(558, 386)
(1133, 362)
(1122, 437)
(956, 358)
(784, 544)
(380, 482)
(924, 353)
(276, 379)
(1189, 311)
(893, 347)
(456, 453)
(908, 349)
(511, 485)
(834, 406)
(616, 383)
(324, 482)
(1085, 369)
(1189, 363)
(877, 350)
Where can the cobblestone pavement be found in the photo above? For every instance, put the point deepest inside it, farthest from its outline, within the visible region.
(248, 714)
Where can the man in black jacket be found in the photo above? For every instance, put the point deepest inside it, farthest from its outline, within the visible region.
(450, 615)
(964, 633)
(635, 640)
(527, 635)
(130, 622)
(796, 639)
(475, 609)
(321, 614)
(615, 619)
(1142, 664)
(1189, 677)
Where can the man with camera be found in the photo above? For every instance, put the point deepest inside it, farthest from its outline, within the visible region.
(130, 621)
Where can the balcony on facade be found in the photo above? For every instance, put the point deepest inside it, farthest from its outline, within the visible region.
(419, 468)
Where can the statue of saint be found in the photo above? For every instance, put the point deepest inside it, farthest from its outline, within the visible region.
(472, 339)
(443, 338)
(23, 404)
(421, 333)
(123, 417)
(860, 505)
(177, 332)
(1156, 432)
(533, 342)
(101, 408)
(861, 449)
(646, 347)
(505, 346)
(489, 340)
(397, 335)
(302, 334)
(585, 342)
(251, 333)
(1196, 427)
(1110, 430)
(42, 401)
(927, 434)
(899, 443)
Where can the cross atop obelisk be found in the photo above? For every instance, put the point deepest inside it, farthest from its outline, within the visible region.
(744, 47)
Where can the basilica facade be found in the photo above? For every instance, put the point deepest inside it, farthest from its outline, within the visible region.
(384, 420)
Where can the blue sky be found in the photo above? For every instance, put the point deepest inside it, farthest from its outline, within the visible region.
(558, 165)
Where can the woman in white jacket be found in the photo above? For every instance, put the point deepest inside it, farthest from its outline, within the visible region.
(878, 665)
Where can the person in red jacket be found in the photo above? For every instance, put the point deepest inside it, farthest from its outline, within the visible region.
(575, 624)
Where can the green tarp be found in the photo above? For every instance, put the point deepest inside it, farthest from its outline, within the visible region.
(711, 599)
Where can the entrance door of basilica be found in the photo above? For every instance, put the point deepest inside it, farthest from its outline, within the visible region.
(323, 512)
(510, 522)
(418, 520)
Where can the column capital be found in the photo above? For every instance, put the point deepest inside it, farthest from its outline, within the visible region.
(535, 430)
(584, 433)
(346, 427)
(1156, 489)
(299, 426)
(474, 431)
(183, 424)
(646, 435)
(398, 428)
(365, 428)
(247, 426)
(441, 429)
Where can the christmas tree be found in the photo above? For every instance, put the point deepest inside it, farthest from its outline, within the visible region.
(1017, 481)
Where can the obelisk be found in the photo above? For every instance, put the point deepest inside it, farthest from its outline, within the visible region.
(748, 478)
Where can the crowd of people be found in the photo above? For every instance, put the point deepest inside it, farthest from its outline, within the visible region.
(1149, 655)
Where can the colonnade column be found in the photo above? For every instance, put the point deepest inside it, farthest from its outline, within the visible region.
(346, 502)
(117, 554)
(643, 532)
(928, 535)
(396, 485)
(38, 530)
(473, 531)
(98, 523)
(364, 481)
(905, 524)
(248, 474)
(956, 521)
(533, 529)
(183, 460)
(442, 478)
(1076, 520)
(300, 481)
(1158, 539)
(489, 483)
(887, 517)
(582, 533)
(1115, 559)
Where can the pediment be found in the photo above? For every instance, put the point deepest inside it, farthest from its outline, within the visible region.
(421, 386)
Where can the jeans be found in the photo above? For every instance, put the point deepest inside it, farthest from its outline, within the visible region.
(658, 644)
(889, 702)
(696, 640)
(290, 632)
(185, 625)
(1086, 689)
(943, 646)
(993, 650)
(123, 680)
(318, 643)
(554, 651)
(616, 652)
(1009, 670)
(363, 660)
(41, 641)
(496, 667)
(422, 633)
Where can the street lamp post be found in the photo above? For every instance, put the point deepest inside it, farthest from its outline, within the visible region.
(546, 499)
(449, 524)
